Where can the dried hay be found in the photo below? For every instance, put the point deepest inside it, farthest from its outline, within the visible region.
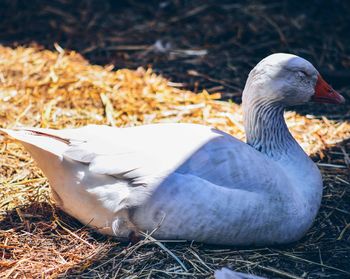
(61, 89)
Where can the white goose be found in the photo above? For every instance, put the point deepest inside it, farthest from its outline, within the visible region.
(191, 181)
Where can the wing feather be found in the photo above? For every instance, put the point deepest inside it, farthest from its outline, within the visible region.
(137, 166)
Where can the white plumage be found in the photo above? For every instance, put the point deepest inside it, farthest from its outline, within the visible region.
(191, 181)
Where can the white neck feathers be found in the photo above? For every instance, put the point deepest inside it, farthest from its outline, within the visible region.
(266, 129)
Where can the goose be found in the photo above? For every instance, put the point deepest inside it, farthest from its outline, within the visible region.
(189, 181)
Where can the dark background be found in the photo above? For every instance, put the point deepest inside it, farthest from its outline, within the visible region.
(162, 34)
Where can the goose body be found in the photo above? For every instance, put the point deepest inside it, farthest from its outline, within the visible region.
(187, 181)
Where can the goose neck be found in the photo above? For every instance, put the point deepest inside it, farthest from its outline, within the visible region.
(266, 128)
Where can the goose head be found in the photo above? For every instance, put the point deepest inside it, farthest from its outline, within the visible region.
(287, 80)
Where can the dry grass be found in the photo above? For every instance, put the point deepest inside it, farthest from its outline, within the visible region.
(60, 89)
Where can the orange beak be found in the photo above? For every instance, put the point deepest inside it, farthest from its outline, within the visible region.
(324, 93)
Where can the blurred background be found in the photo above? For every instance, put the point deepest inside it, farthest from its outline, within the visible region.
(211, 44)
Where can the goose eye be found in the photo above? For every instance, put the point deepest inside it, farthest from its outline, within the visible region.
(301, 74)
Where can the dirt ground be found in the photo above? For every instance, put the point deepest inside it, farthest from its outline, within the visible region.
(212, 45)
(198, 43)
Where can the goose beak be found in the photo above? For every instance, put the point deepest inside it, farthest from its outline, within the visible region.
(324, 93)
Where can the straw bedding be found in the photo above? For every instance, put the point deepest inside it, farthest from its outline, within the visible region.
(60, 89)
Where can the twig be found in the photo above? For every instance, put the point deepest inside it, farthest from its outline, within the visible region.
(166, 250)
(279, 272)
(314, 263)
(190, 13)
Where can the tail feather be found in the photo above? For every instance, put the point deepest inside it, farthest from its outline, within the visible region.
(45, 139)
(47, 134)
